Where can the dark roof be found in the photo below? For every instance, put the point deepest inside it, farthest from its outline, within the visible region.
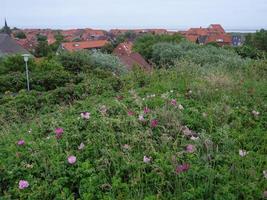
(10, 46)
(129, 58)
(202, 39)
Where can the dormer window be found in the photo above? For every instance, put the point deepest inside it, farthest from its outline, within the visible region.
(76, 45)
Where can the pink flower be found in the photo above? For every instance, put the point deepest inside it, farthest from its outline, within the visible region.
(71, 160)
(182, 168)
(23, 184)
(265, 194)
(21, 142)
(255, 113)
(141, 118)
(85, 115)
(147, 159)
(173, 102)
(190, 148)
(130, 113)
(146, 110)
(81, 146)
(154, 123)
(59, 132)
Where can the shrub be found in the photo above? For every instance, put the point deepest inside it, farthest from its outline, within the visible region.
(107, 62)
(75, 61)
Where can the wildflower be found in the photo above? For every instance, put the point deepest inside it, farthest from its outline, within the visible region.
(189, 133)
(21, 142)
(147, 159)
(242, 153)
(265, 194)
(194, 138)
(59, 132)
(190, 148)
(182, 168)
(23, 184)
(190, 92)
(265, 173)
(126, 146)
(154, 123)
(153, 95)
(81, 146)
(173, 102)
(103, 110)
(71, 160)
(180, 107)
(30, 130)
(130, 113)
(204, 114)
(171, 91)
(141, 118)
(85, 115)
(146, 110)
(255, 113)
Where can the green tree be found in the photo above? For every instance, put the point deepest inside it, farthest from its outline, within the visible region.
(257, 40)
(42, 48)
(144, 44)
(20, 35)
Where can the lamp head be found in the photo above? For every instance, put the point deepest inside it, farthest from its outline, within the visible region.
(26, 57)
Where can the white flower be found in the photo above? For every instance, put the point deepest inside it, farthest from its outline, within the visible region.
(180, 107)
(265, 173)
(146, 159)
(194, 138)
(141, 118)
(255, 113)
(243, 153)
(81, 146)
(85, 115)
(171, 91)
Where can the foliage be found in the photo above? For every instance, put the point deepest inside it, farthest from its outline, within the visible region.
(107, 62)
(218, 96)
(144, 44)
(257, 40)
(249, 52)
(20, 35)
(75, 61)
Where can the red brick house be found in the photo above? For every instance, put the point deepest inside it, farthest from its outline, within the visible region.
(130, 58)
(77, 46)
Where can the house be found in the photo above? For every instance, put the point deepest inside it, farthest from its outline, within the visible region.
(91, 34)
(236, 40)
(130, 58)
(9, 46)
(84, 45)
(214, 33)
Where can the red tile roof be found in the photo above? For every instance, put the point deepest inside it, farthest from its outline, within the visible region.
(191, 38)
(221, 39)
(76, 46)
(129, 58)
(216, 28)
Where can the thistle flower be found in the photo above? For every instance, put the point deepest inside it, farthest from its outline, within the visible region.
(147, 159)
(59, 132)
(23, 184)
(242, 152)
(21, 142)
(71, 160)
(173, 102)
(190, 148)
(182, 168)
(81, 146)
(154, 123)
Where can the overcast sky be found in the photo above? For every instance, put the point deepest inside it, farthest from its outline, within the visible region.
(170, 14)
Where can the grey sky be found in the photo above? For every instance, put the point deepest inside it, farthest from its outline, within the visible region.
(170, 14)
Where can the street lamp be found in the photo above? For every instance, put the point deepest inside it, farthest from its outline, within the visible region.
(26, 59)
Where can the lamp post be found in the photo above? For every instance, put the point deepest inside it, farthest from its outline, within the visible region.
(26, 59)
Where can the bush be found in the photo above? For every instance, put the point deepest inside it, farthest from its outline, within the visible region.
(144, 44)
(75, 61)
(107, 62)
